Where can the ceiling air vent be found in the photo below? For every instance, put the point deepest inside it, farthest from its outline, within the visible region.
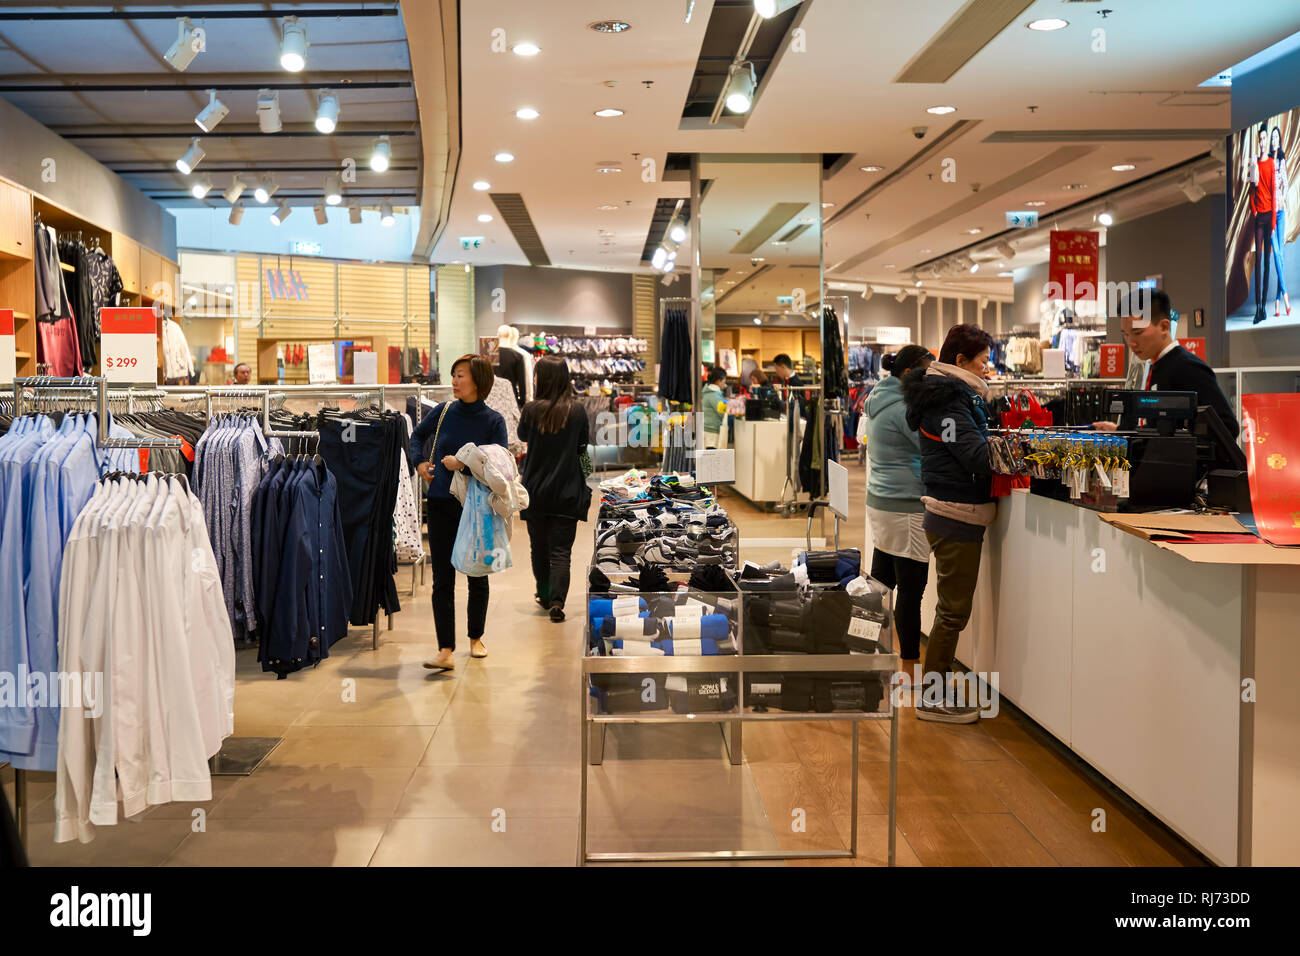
(515, 215)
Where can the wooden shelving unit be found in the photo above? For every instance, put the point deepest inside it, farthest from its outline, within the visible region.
(147, 276)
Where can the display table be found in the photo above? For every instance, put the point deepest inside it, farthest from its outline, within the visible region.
(1134, 656)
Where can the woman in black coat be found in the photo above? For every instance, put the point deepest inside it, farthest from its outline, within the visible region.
(555, 427)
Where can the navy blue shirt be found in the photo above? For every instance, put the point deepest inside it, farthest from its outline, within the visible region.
(466, 422)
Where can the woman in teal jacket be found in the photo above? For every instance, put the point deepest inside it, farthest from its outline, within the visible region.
(894, 511)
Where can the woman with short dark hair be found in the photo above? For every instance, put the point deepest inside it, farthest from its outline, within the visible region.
(465, 419)
(947, 407)
(556, 429)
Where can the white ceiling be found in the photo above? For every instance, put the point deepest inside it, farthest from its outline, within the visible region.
(837, 97)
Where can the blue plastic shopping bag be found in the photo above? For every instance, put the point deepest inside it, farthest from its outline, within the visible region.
(482, 546)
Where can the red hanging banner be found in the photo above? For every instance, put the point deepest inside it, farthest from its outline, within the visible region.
(1075, 256)
(1112, 361)
(1271, 433)
(1195, 346)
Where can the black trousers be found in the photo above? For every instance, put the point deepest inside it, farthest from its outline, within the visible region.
(443, 515)
(550, 543)
(910, 578)
(1265, 223)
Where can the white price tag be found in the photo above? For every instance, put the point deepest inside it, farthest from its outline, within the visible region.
(690, 610)
(625, 606)
(1121, 482)
(633, 621)
(128, 345)
(685, 628)
(8, 350)
(862, 627)
(715, 466)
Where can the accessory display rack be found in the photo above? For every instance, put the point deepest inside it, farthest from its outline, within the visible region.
(594, 726)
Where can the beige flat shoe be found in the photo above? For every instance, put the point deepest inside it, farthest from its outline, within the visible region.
(443, 662)
(476, 649)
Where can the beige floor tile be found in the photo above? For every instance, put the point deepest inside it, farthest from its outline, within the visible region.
(147, 843)
(675, 834)
(658, 788)
(474, 842)
(333, 748)
(408, 701)
(469, 791)
(539, 743)
(281, 842)
(334, 795)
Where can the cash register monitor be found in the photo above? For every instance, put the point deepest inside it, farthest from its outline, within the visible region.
(1166, 412)
(1224, 450)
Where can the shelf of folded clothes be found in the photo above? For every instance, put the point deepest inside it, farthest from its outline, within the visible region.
(820, 606)
(664, 522)
(672, 623)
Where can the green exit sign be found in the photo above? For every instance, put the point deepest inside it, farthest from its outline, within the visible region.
(470, 242)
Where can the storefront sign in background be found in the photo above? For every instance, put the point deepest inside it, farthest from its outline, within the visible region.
(8, 356)
(128, 345)
(1112, 361)
(285, 284)
(1073, 271)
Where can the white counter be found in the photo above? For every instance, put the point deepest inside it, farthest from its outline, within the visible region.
(760, 460)
(1134, 658)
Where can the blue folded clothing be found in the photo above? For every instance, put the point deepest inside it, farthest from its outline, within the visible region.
(715, 626)
(704, 647)
(604, 607)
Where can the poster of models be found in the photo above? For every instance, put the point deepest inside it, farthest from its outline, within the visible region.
(1263, 224)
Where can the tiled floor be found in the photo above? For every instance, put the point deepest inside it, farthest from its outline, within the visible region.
(383, 763)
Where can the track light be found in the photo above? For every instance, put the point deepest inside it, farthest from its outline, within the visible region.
(1191, 190)
(659, 258)
(265, 189)
(1107, 215)
(212, 114)
(268, 111)
(293, 44)
(922, 296)
(740, 88)
(187, 46)
(974, 268)
(386, 213)
(867, 292)
(193, 156)
(767, 9)
(381, 153)
(327, 112)
(984, 302)
(902, 296)
(669, 266)
(281, 213)
(354, 214)
(677, 230)
(236, 214)
(236, 190)
(321, 216)
(1005, 249)
(201, 186)
(333, 189)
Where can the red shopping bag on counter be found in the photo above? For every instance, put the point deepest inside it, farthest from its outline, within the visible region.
(1271, 433)
(1025, 410)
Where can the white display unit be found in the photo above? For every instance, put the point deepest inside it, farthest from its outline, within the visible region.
(1237, 382)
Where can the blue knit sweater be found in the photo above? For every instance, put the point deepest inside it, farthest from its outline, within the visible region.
(465, 422)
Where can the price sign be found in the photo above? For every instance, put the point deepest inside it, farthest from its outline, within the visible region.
(128, 345)
(1195, 346)
(8, 358)
(715, 466)
(1112, 361)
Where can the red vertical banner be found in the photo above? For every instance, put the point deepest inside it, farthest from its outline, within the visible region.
(1195, 346)
(8, 347)
(1073, 269)
(1112, 362)
(1271, 433)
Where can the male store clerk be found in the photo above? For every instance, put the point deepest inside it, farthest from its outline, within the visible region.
(1173, 368)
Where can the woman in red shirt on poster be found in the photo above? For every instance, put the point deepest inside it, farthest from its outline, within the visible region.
(1262, 178)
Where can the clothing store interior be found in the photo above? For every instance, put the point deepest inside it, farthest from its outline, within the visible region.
(951, 339)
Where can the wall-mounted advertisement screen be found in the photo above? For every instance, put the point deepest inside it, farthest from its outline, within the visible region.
(1263, 258)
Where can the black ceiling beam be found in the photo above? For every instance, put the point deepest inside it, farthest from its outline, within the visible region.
(301, 13)
(341, 85)
(189, 134)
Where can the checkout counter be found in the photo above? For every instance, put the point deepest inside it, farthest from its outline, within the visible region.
(1167, 665)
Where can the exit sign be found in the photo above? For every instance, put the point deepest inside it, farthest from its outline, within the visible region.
(470, 242)
(1022, 219)
(302, 247)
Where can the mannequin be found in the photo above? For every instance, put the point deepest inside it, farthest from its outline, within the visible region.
(523, 389)
(510, 364)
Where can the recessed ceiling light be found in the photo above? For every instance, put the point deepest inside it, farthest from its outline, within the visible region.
(527, 113)
(891, 266)
(941, 110)
(504, 157)
(1047, 24)
(926, 252)
(607, 207)
(484, 217)
(1006, 275)
(482, 185)
(1123, 167)
(827, 205)
(973, 232)
(1035, 202)
(610, 26)
(609, 169)
(758, 259)
(1075, 187)
(608, 112)
(871, 169)
(526, 49)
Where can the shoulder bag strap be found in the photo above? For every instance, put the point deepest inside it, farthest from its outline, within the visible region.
(433, 449)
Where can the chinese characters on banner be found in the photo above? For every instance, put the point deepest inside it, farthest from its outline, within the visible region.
(1271, 433)
(1112, 361)
(1195, 346)
(128, 345)
(1073, 270)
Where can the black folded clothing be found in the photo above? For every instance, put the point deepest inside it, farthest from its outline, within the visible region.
(632, 700)
(782, 582)
(870, 601)
(785, 641)
(598, 581)
(862, 645)
(653, 579)
(763, 692)
(710, 578)
(796, 692)
(791, 614)
(831, 610)
(833, 567)
(701, 694)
